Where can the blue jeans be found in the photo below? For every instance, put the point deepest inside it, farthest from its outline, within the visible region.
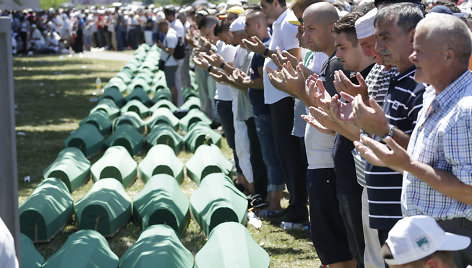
(274, 171)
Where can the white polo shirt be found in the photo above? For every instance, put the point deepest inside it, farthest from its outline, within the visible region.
(179, 28)
(223, 92)
(283, 36)
(170, 41)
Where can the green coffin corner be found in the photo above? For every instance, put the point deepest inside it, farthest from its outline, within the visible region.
(70, 166)
(105, 208)
(128, 137)
(84, 249)
(157, 246)
(192, 117)
(139, 83)
(144, 74)
(191, 103)
(189, 92)
(30, 257)
(115, 163)
(123, 77)
(118, 84)
(198, 135)
(87, 138)
(140, 95)
(164, 134)
(162, 115)
(132, 119)
(46, 210)
(113, 94)
(100, 119)
(230, 245)
(108, 106)
(137, 107)
(163, 103)
(217, 200)
(161, 159)
(162, 94)
(207, 159)
(161, 202)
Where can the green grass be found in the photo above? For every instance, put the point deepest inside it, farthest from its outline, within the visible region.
(52, 95)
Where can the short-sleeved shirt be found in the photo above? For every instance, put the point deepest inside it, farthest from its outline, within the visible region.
(384, 185)
(179, 28)
(442, 139)
(257, 95)
(283, 36)
(223, 92)
(170, 41)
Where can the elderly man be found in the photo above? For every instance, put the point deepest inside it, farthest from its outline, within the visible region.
(437, 165)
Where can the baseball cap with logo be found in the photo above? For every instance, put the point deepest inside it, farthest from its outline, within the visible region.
(416, 237)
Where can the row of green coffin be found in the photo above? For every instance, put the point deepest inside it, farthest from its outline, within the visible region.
(229, 245)
(49, 215)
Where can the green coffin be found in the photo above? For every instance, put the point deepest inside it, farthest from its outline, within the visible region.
(87, 138)
(84, 249)
(192, 117)
(144, 74)
(109, 107)
(131, 119)
(70, 166)
(191, 103)
(128, 137)
(161, 202)
(230, 245)
(30, 257)
(157, 246)
(188, 92)
(207, 159)
(114, 94)
(161, 159)
(162, 94)
(217, 200)
(162, 115)
(201, 134)
(100, 120)
(139, 83)
(164, 103)
(115, 163)
(140, 95)
(105, 208)
(46, 210)
(117, 83)
(137, 107)
(123, 77)
(164, 134)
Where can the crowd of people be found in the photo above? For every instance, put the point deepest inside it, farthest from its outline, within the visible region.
(360, 110)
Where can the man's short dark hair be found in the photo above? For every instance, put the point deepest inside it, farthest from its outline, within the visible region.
(281, 2)
(208, 21)
(347, 25)
(403, 15)
(221, 27)
(169, 11)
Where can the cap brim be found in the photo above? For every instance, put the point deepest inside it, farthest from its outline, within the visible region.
(294, 22)
(455, 242)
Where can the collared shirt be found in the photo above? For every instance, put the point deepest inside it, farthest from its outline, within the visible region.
(442, 139)
(283, 36)
(384, 185)
(223, 92)
(170, 41)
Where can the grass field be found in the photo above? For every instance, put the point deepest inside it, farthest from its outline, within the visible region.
(52, 94)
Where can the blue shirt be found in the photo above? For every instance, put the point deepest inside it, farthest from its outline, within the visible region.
(256, 96)
(442, 139)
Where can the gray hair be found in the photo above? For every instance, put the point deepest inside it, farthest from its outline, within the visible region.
(451, 32)
(403, 15)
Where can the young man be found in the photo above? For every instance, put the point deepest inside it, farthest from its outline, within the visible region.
(167, 50)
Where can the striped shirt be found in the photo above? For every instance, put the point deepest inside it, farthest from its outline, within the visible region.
(402, 103)
(442, 139)
(377, 82)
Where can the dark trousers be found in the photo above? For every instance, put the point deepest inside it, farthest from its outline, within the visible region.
(224, 110)
(290, 150)
(259, 169)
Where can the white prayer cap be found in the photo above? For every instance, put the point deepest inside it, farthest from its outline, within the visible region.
(365, 25)
(238, 24)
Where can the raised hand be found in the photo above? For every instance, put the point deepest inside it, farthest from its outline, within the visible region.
(319, 120)
(393, 156)
(370, 119)
(277, 79)
(255, 45)
(216, 59)
(343, 84)
(282, 57)
(201, 62)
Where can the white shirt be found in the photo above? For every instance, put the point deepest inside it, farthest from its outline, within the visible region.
(223, 92)
(283, 36)
(318, 145)
(179, 28)
(7, 247)
(170, 41)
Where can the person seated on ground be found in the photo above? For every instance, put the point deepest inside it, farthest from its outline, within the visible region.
(38, 43)
(418, 241)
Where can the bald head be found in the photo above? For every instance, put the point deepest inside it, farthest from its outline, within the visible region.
(257, 17)
(323, 12)
(447, 32)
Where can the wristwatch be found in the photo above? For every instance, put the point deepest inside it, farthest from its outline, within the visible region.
(266, 52)
(391, 129)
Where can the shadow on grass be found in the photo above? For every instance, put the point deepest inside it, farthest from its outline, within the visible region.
(282, 251)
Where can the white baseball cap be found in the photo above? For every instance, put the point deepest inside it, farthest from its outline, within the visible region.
(416, 237)
(238, 24)
(365, 25)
